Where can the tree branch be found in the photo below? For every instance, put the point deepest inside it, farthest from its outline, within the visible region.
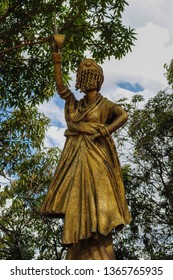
(42, 41)
(10, 10)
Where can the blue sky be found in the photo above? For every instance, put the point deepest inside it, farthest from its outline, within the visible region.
(140, 71)
(134, 87)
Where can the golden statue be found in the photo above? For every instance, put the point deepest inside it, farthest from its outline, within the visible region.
(87, 188)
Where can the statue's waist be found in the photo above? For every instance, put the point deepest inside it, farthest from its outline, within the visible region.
(88, 128)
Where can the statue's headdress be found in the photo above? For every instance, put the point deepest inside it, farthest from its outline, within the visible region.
(89, 75)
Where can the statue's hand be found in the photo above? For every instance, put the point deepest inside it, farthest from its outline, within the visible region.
(95, 136)
(103, 131)
(56, 56)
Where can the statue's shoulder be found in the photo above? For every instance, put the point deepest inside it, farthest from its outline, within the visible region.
(108, 102)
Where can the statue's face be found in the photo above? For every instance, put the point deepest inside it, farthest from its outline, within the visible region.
(89, 76)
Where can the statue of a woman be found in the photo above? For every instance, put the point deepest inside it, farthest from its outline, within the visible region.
(87, 188)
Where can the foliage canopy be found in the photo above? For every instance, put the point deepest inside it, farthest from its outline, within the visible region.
(26, 29)
(148, 177)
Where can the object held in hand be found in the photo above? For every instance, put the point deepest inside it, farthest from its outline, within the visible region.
(59, 40)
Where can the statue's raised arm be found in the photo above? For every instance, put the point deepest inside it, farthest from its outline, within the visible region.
(63, 90)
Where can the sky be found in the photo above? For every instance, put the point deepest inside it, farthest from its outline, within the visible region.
(141, 71)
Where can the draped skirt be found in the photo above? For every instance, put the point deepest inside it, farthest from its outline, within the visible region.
(87, 189)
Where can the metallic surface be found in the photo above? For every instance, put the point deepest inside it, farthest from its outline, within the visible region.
(87, 188)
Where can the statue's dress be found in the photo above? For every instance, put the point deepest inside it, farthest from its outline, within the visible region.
(87, 188)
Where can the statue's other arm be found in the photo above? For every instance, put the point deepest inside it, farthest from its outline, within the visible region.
(63, 90)
(121, 118)
(117, 117)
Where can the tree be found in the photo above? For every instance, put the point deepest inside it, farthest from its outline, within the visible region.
(25, 234)
(149, 179)
(26, 42)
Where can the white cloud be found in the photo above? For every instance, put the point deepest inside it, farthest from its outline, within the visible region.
(3, 181)
(153, 21)
(54, 134)
(144, 65)
(54, 137)
(160, 12)
(52, 110)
